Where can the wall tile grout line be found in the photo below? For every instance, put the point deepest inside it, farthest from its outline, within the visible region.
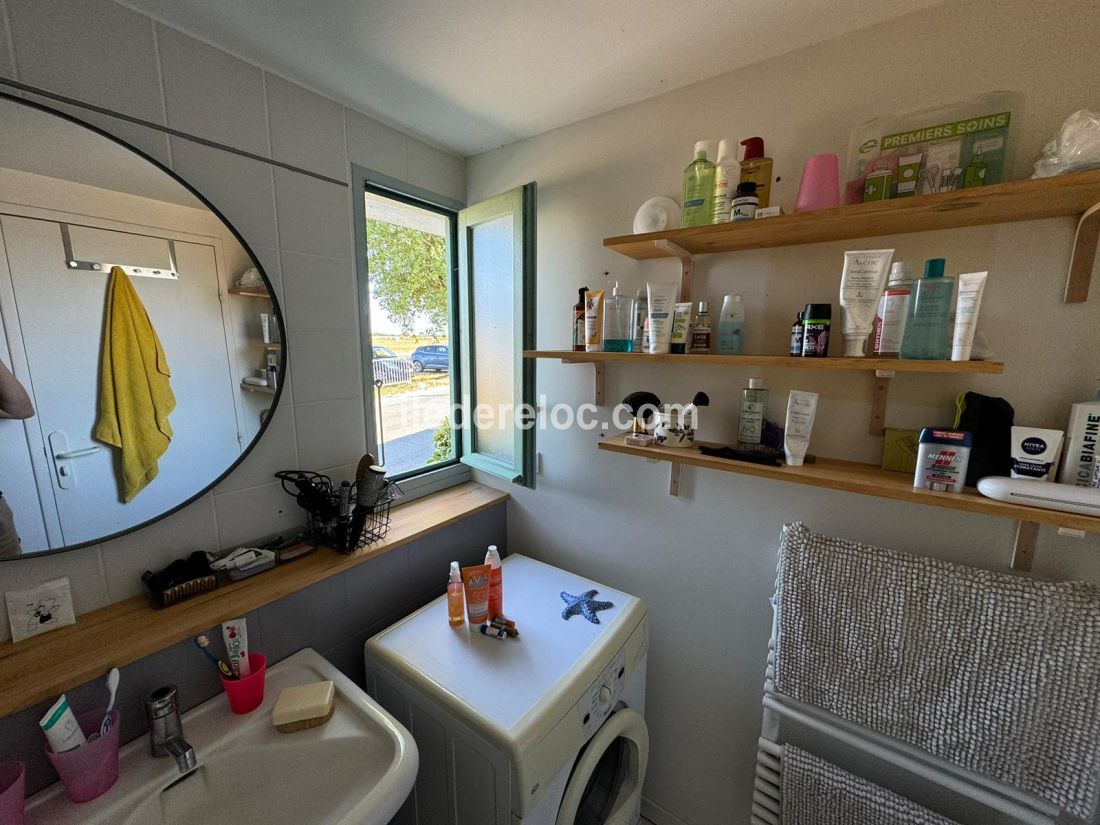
(160, 85)
(148, 124)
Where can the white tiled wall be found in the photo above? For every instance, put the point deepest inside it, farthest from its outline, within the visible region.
(299, 227)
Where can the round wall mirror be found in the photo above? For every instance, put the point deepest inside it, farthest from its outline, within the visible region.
(141, 345)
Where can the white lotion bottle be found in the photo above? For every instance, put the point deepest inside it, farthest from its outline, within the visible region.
(727, 173)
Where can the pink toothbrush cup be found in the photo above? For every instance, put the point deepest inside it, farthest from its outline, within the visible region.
(13, 782)
(90, 770)
(820, 187)
(247, 694)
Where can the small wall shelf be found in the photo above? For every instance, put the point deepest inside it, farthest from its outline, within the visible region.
(883, 369)
(868, 479)
(257, 388)
(1067, 195)
(250, 292)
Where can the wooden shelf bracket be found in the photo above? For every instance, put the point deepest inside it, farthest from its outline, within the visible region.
(600, 375)
(880, 395)
(674, 479)
(1083, 259)
(687, 265)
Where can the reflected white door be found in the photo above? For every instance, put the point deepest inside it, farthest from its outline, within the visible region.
(60, 316)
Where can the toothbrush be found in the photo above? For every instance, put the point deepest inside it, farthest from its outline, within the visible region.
(203, 644)
(112, 687)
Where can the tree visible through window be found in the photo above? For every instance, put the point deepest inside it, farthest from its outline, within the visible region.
(409, 275)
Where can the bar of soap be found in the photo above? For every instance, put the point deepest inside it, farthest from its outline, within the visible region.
(304, 706)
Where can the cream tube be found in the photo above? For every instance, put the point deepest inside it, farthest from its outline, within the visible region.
(235, 636)
(681, 327)
(593, 320)
(861, 285)
(801, 409)
(662, 300)
(61, 728)
(971, 287)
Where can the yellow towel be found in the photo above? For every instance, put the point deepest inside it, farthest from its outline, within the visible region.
(135, 398)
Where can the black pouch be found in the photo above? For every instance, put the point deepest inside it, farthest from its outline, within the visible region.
(989, 421)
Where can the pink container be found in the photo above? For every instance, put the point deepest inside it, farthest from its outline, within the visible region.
(13, 785)
(247, 694)
(820, 187)
(90, 770)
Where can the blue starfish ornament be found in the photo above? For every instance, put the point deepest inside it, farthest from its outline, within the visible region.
(583, 604)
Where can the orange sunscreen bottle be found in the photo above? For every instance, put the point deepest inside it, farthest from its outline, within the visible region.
(454, 597)
(496, 583)
(476, 580)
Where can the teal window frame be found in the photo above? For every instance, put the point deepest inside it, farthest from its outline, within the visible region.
(520, 204)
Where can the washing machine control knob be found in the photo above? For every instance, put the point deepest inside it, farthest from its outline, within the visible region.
(605, 694)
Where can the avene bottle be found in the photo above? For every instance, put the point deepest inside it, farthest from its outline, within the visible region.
(727, 174)
(496, 582)
(698, 189)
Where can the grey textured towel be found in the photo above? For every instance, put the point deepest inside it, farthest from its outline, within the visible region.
(816, 792)
(999, 674)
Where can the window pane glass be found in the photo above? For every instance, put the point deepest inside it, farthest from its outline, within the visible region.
(408, 263)
(493, 292)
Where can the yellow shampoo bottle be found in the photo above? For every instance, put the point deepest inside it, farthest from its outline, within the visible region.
(758, 169)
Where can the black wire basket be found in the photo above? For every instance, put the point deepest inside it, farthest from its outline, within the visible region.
(346, 517)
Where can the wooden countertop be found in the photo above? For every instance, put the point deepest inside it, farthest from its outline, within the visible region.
(42, 667)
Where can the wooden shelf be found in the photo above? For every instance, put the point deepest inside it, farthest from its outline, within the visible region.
(882, 369)
(780, 361)
(273, 347)
(42, 667)
(257, 388)
(1076, 194)
(866, 479)
(250, 292)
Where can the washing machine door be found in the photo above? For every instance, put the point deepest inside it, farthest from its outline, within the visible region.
(605, 787)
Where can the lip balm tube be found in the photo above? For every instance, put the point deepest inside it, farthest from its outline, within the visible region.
(494, 632)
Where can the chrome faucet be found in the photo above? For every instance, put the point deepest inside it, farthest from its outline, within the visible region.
(162, 711)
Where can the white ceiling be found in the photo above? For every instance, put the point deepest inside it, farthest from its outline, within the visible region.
(471, 75)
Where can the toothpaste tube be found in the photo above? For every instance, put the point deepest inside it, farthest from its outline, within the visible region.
(61, 728)
(235, 635)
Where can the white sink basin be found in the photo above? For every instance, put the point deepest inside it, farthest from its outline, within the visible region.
(356, 768)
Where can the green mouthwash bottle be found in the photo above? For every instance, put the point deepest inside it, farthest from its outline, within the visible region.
(927, 327)
(698, 189)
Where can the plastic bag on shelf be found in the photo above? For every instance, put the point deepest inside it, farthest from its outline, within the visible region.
(251, 278)
(1074, 148)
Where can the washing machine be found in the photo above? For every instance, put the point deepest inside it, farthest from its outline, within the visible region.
(544, 729)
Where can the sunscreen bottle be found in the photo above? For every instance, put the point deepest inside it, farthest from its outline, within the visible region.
(496, 582)
(455, 601)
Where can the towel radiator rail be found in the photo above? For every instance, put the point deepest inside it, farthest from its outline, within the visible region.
(766, 805)
(71, 261)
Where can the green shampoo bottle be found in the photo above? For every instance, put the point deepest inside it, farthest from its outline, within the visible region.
(698, 189)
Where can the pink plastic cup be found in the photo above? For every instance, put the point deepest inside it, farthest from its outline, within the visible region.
(820, 187)
(247, 694)
(13, 786)
(90, 770)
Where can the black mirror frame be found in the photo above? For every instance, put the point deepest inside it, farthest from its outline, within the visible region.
(276, 311)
